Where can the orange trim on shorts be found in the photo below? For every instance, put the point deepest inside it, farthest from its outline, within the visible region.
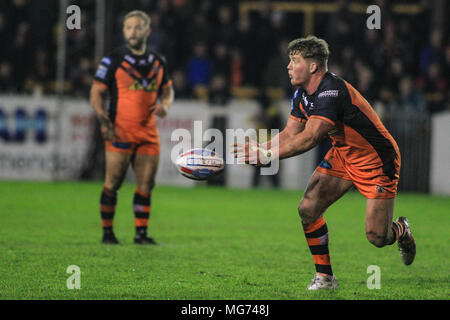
(150, 149)
(336, 174)
(109, 147)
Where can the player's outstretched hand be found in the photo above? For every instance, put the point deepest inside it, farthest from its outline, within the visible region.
(251, 153)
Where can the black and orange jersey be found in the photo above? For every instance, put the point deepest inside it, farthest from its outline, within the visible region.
(134, 83)
(358, 134)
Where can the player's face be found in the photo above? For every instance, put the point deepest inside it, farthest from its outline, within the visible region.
(135, 32)
(298, 69)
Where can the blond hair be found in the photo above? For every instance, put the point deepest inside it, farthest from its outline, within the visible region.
(311, 47)
(141, 14)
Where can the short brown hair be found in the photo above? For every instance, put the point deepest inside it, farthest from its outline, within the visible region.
(141, 14)
(311, 47)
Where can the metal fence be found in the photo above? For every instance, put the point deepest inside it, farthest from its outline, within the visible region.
(412, 131)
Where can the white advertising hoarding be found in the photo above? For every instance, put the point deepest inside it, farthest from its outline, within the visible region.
(40, 135)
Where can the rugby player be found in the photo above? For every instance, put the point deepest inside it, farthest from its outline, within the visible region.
(139, 88)
(363, 155)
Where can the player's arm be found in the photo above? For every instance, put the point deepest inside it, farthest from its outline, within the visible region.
(251, 152)
(166, 100)
(315, 130)
(97, 99)
(293, 127)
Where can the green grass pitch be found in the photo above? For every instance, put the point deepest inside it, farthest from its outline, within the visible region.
(216, 244)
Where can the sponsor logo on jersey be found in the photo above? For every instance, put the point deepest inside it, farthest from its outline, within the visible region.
(106, 61)
(328, 93)
(101, 72)
(144, 85)
(130, 59)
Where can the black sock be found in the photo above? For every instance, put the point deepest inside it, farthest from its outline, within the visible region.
(108, 202)
(141, 208)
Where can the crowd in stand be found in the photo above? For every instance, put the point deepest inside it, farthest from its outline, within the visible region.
(213, 49)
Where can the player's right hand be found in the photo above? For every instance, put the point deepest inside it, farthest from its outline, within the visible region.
(108, 132)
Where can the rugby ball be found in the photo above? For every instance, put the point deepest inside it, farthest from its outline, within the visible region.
(199, 164)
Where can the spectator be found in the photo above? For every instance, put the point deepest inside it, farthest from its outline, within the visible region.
(221, 61)
(180, 85)
(244, 46)
(435, 87)
(432, 52)
(219, 93)
(199, 67)
(409, 98)
(6, 79)
(275, 74)
(226, 26)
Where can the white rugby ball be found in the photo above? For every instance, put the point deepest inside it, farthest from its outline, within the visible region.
(199, 164)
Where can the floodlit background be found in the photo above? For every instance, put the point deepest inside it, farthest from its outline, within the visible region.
(228, 63)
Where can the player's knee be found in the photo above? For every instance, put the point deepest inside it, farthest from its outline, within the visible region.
(306, 212)
(146, 187)
(113, 181)
(377, 239)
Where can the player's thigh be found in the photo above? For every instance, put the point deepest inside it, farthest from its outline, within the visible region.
(116, 168)
(322, 191)
(379, 214)
(145, 167)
